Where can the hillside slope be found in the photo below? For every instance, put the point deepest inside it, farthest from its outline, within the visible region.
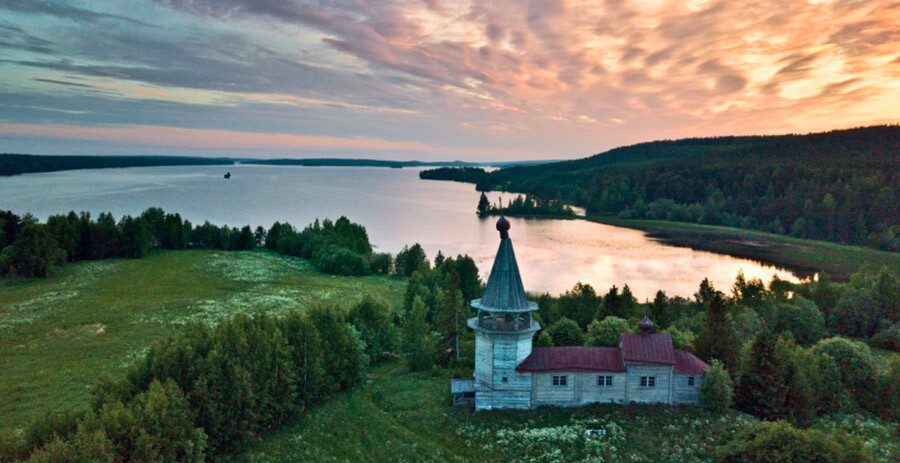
(841, 186)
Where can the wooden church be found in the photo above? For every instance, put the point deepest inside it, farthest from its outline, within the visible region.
(509, 373)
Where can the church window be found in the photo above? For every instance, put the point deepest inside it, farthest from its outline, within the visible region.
(690, 380)
(559, 380)
(604, 380)
(648, 381)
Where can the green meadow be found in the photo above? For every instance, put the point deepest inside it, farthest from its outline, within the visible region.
(407, 417)
(59, 336)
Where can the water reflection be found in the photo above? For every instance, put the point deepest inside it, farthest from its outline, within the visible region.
(397, 209)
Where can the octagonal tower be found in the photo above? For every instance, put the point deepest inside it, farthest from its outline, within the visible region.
(504, 328)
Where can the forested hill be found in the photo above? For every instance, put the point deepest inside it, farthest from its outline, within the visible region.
(15, 164)
(841, 186)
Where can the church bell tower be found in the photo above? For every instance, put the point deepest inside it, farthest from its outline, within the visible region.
(504, 328)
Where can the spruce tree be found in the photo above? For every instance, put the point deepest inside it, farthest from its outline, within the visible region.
(718, 340)
(763, 388)
(483, 204)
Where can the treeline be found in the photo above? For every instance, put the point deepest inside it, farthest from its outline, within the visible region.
(475, 175)
(15, 164)
(841, 186)
(32, 249)
(780, 352)
(524, 205)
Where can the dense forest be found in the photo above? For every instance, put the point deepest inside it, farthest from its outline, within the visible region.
(841, 186)
(15, 164)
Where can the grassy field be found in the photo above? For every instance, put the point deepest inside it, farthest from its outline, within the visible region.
(58, 336)
(406, 417)
(840, 261)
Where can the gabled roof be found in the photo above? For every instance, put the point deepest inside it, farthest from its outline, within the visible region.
(573, 358)
(504, 290)
(687, 364)
(647, 348)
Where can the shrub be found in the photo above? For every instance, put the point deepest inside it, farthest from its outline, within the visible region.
(779, 442)
(606, 332)
(372, 319)
(83, 446)
(34, 253)
(341, 261)
(717, 390)
(856, 366)
(381, 263)
(888, 338)
(565, 332)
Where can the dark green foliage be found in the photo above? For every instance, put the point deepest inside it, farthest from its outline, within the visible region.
(763, 387)
(372, 319)
(15, 164)
(527, 205)
(418, 343)
(410, 259)
(343, 353)
(83, 446)
(449, 319)
(718, 340)
(606, 332)
(76, 237)
(212, 390)
(581, 304)
(156, 425)
(543, 340)
(800, 317)
(717, 390)
(565, 332)
(474, 175)
(780, 442)
(340, 247)
(34, 252)
(797, 184)
(337, 260)
(483, 204)
(852, 315)
(888, 338)
(856, 366)
(381, 263)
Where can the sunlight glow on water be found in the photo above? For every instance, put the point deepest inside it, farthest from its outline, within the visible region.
(397, 209)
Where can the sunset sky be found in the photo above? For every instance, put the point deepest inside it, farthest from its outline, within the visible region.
(434, 80)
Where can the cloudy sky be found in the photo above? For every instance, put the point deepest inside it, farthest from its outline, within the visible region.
(435, 79)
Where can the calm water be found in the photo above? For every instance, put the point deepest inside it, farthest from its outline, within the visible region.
(397, 209)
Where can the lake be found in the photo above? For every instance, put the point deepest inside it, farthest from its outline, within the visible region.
(397, 209)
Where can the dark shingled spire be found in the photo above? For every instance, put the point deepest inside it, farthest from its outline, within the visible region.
(504, 288)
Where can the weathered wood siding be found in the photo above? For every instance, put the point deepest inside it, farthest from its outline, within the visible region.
(499, 385)
(484, 360)
(684, 394)
(661, 393)
(591, 392)
(545, 393)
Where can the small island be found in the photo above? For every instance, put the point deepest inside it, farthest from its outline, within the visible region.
(525, 206)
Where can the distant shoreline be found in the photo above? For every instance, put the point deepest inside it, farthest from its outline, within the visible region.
(18, 164)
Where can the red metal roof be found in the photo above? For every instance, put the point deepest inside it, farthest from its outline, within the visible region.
(687, 364)
(573, 358)
(647, 348)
